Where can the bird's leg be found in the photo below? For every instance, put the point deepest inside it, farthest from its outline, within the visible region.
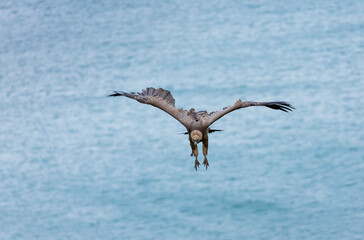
(205, 146)
(192, 146)
(195, 152)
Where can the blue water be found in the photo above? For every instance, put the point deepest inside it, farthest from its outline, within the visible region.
(75, 164)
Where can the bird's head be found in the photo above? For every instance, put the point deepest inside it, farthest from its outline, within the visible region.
(196, 135)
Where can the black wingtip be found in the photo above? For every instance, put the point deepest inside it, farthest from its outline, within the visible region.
(283, 106)
(115, 94)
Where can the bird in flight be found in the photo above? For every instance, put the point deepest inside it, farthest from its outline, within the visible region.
(196, 123)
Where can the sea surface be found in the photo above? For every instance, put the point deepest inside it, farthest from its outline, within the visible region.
(75, 164)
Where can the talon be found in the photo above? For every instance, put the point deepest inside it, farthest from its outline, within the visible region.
(191, 154)
(197, 164)
(206, 163)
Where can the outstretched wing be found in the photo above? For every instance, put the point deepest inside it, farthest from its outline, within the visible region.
(161, 99)
(214, 116)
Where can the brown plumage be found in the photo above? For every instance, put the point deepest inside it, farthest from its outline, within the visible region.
(196, 123)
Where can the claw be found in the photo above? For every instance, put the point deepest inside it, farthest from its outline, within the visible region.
(197, 164)
(206, 163)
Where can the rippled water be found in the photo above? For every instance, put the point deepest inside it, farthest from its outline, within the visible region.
(78, 165)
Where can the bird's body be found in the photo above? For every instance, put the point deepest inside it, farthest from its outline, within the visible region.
(196, 123)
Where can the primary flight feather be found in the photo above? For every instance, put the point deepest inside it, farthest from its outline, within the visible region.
(196, 123)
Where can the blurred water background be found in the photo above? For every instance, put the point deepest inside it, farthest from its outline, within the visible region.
(75, 164)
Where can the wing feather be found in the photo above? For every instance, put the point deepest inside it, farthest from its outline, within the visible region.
(214, 116)
(159, 98)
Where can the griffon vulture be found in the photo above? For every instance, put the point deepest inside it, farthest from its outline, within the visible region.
(196, 123)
